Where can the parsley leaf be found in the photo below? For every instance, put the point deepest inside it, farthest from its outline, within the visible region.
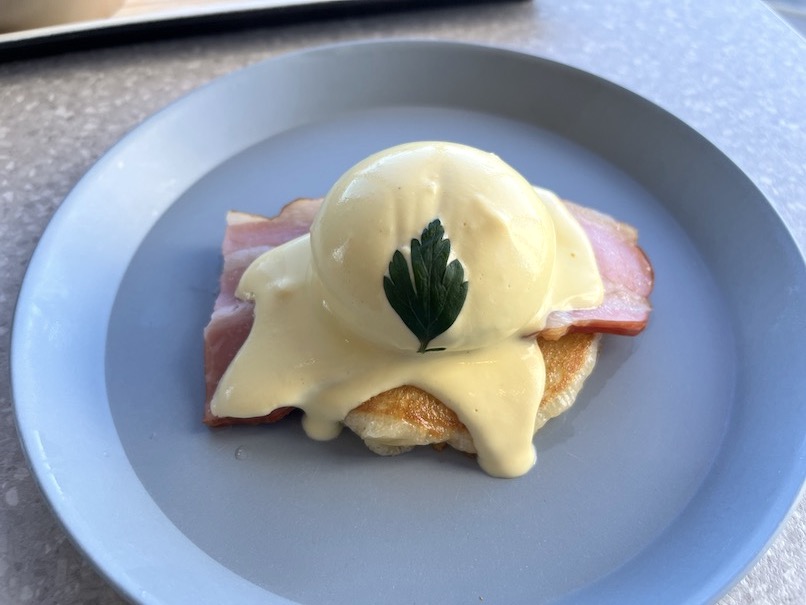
(430, 304)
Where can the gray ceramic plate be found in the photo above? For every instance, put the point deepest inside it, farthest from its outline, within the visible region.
(679, 461)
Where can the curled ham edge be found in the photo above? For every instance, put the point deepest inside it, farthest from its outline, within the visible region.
(625, 269)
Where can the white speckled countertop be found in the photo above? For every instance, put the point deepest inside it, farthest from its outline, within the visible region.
(731, 69)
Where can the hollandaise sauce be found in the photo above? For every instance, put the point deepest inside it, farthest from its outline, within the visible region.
(326, 337)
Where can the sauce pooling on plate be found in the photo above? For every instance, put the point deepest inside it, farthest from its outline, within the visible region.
(429, 264)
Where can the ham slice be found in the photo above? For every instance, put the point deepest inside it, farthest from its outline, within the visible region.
(627, 276)
(625, 270)
(247, 237)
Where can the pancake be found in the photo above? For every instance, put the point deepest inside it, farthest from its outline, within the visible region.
(396, 420)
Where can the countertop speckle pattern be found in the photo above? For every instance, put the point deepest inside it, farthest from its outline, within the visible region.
(731, 69)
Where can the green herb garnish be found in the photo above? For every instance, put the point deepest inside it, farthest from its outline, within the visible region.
(431, 304)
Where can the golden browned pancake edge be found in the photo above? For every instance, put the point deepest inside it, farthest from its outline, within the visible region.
(394, 421)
